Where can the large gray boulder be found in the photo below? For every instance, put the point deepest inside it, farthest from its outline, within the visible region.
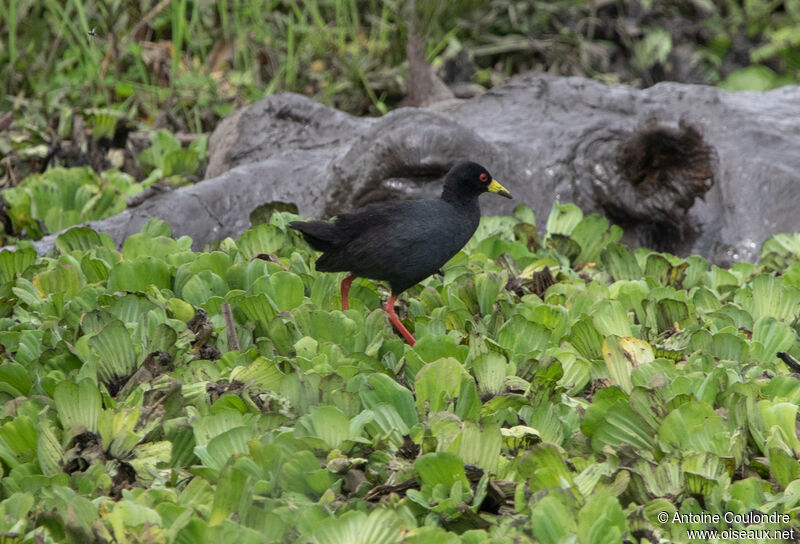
(684, 168)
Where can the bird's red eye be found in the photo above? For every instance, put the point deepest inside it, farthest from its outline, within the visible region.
(484, 177)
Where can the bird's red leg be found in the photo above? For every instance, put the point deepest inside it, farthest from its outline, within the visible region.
(389, 308)
(345, 290)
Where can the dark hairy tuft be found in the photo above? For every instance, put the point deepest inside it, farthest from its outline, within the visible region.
(656, 158)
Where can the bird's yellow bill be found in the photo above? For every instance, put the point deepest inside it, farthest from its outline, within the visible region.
(495, 187)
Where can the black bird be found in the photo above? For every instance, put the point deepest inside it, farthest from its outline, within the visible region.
(402, 241)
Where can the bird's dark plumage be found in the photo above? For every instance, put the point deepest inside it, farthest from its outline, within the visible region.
(403, 241)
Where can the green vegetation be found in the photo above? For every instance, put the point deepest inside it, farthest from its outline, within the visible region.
(62, 197)
(584, 403)
(563, 388)
(202, 59)
(182, 65)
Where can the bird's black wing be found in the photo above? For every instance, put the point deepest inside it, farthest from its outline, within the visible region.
(334, 235)
(401, 242)
(367, 238)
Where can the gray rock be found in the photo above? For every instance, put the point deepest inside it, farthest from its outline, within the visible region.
(687, 168)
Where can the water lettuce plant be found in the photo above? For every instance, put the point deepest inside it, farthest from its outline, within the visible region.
(564, 388)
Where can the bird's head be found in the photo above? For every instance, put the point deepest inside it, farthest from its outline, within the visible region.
(470, 179)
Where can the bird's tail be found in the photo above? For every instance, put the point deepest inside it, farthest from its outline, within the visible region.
(321, 235)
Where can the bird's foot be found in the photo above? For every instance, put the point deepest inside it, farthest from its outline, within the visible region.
(389, 308)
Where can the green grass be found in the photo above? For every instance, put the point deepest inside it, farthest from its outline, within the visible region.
(183, 65)
(259, 47)
(346, 53)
